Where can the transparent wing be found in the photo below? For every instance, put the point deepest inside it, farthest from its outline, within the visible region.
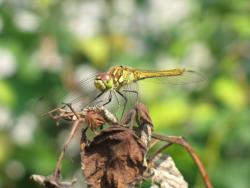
(189, 77)
(81, 92)
(78, 94)
(86, 94)
(131, 92)
(123, 99)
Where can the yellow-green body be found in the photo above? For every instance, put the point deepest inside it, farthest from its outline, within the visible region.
(119, 76)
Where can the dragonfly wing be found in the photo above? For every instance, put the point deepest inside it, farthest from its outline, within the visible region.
(131, 92)
(78, 94)
(189, 77)
(126, 97)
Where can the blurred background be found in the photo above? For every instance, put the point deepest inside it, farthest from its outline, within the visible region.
(45, 45)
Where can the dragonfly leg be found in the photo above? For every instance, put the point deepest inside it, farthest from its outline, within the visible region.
(103, 100)
(76, 100)
(125, 99)
(109, 99)
(99, 95)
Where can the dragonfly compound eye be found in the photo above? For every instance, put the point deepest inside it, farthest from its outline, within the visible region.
(103, 82)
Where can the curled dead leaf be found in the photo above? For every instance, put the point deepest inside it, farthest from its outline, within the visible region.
(115, 158)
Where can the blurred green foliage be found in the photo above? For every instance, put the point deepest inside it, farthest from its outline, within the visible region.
(44, 44)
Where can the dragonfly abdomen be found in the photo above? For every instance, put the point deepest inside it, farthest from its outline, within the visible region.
(140, 75)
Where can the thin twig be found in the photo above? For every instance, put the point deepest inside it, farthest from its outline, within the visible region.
(158, 152)
(181, 141)
(74, 128)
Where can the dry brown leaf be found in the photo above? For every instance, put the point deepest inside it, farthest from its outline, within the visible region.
(114, 158)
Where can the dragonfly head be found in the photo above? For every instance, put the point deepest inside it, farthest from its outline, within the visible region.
(103, 82)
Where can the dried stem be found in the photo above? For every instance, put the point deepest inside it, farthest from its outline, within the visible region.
(181, 141)
(74, 129)
(159, 151)
(95, 117)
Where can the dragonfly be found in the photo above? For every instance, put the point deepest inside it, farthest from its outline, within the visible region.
(117, 80)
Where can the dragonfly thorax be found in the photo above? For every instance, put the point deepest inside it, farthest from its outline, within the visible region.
(104, 82)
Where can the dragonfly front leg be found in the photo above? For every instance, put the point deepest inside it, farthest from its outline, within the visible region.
(93, 100)
(109, 99)
(99, 95)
